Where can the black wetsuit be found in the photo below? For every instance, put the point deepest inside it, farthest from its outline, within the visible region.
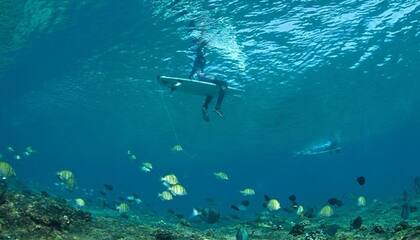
(200, 60)
(198, 72)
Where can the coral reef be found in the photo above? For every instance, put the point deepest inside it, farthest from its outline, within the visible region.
(297, 229)
(29, 215)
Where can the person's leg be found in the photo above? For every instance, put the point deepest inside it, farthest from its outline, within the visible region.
(206, 107)
(220, 99)
(218, 108)
(222, 91)
(207, 101)
(199, 62)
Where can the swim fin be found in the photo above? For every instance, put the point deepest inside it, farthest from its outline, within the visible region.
(219, 112)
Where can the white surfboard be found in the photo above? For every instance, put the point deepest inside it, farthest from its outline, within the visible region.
(194, 87)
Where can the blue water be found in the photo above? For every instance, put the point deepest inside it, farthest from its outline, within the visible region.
(79, 85)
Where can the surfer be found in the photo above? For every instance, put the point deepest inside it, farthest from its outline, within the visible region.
(197, 72)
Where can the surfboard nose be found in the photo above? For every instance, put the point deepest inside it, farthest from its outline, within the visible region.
(161, 80)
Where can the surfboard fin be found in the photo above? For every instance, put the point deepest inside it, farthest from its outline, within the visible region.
(177, 84)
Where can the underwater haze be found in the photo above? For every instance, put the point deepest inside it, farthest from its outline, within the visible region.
(79, 85)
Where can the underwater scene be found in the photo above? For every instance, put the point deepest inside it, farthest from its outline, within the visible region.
(209, 120)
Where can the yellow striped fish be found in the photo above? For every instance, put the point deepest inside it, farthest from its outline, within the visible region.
(67, 177)
(248, 192)
(273, 205)
(6, 171)
(80, 202)
(361, 201)
(170, 179)
(123, 208)
(165, 196)
(177, 148)
(326, 211)
(146, 167)
(178, 190)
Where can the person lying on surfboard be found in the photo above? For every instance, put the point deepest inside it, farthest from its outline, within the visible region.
(197, 72)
